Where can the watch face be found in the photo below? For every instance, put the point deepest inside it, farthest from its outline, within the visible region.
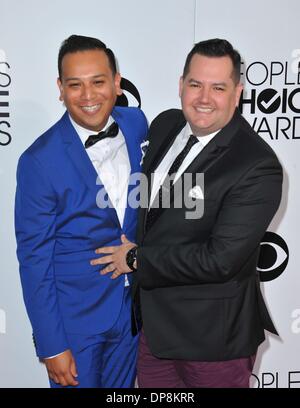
(130, 258)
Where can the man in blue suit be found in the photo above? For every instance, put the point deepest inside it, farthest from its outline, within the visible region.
(72, 194)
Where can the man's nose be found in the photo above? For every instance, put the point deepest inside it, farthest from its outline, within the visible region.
(204, 94)
(87, 92)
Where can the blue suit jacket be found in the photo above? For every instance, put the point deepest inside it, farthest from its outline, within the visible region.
(58, 227)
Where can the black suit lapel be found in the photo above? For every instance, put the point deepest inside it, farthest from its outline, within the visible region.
(161, 138)
(209, 155)
(207, 158)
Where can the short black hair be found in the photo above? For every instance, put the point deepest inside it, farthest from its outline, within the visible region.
(76, 43)
(215, 47)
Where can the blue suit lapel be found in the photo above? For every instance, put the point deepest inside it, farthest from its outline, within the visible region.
(134, 155)
(77, 153)
(81, 160)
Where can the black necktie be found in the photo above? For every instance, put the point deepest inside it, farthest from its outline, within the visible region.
(154, 213)
(111, 131)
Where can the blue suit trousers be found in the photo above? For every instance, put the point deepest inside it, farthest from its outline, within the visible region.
(106, 360)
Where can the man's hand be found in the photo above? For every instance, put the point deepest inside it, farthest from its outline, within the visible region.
(116, 259)
(62, 369)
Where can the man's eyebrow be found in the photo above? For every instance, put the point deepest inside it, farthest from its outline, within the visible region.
(195, 81)
(79, 78)
(220, 83)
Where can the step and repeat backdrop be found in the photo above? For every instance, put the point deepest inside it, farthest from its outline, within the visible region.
(151, 41)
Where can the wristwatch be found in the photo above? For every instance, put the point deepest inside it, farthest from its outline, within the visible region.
(131, 258)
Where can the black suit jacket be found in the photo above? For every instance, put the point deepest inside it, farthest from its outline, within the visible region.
(198, 283)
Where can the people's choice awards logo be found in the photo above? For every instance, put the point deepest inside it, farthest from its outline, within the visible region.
(272, 97)
(273, 258)
(2, 322)
(268, 101)
(5, 81)
(276, 379)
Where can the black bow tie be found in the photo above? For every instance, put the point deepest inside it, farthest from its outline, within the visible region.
(111, 131)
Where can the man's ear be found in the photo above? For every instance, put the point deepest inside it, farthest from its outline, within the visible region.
(61, 91)
(238, 92)
(180, 86)
(119, 91)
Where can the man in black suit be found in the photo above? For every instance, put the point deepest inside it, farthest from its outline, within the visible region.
(202, 309)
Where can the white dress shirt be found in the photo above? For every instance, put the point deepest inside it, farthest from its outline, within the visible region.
(180, 141)
(110, 160)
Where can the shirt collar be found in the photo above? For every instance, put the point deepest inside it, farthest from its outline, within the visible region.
(204, 140)
(84, 133)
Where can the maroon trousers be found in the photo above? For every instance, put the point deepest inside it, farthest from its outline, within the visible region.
(154, 372)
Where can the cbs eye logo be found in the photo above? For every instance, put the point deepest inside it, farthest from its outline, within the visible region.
(273, 257)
